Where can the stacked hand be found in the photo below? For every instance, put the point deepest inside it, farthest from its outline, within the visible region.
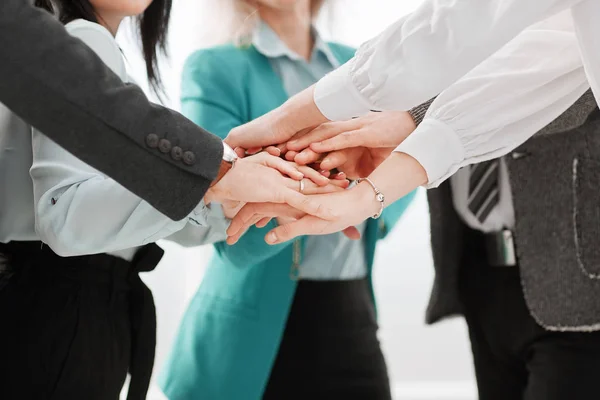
(298, 132)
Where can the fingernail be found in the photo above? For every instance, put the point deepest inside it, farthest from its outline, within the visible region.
(323, 171)
(271, 238)
(325, 160)
(278, 150)
(293, 142)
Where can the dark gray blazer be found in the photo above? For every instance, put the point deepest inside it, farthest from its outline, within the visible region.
(555, 181)
(61, 87)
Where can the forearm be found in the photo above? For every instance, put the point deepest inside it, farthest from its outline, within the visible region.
(425, 52)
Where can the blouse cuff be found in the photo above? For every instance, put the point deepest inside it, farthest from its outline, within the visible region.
(436, 147)
(337, 97)
(202, 213)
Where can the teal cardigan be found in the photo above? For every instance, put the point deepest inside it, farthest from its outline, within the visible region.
(230, 334)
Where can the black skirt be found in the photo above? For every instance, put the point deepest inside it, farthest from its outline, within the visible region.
(330, 348)
(72, 328)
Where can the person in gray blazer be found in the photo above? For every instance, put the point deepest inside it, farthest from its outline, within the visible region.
(57, 84)
(524, 272)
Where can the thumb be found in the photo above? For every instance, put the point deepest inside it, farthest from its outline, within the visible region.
(344, 140)
(307, 204)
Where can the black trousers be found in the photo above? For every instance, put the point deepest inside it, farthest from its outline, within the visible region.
(515, 358)
(330, 348)
(72, 328)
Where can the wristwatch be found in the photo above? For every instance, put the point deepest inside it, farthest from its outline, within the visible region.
(227, 163)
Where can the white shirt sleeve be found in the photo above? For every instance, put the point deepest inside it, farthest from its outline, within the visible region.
(425, 52)
(502, 102)
(79, 210)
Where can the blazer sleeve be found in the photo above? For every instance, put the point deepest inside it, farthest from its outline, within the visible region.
(213, 95)
(58, 85)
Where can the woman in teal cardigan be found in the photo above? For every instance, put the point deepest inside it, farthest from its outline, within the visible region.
(295, 320)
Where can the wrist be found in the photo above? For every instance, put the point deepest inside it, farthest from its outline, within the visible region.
(223, 169)
(366, 198)
(302, 111)
(418, 113)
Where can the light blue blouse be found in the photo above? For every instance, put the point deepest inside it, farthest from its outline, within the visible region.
(48, 194)
(331, 256)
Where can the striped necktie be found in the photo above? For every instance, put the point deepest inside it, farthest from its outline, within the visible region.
(484, 191)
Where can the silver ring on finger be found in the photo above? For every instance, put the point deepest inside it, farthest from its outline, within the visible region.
(301, 185)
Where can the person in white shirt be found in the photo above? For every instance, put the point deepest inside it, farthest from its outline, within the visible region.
(513, 239)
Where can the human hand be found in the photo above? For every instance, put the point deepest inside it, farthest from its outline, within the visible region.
(355, 147)
(398, 175)
(374, 130)
(266, 178)
(299, 113)
(350, 208)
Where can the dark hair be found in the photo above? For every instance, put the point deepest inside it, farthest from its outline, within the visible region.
(153, 25)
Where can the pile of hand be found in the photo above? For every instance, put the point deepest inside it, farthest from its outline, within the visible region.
(296, 166)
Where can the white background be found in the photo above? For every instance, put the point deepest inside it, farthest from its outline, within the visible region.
(424, 362)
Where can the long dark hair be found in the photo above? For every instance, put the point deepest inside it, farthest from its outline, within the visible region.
(153, 25)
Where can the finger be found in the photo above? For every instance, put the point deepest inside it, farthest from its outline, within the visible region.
(335, 160)
(253, 150)
(282, 147)
(290, 155)
(339, 176)
(344, 140)
(242, 218)
(273, 150)
(263, 222)
(240, 152)
(283, 166)
(313, 175)
(231, 240)
(308, 156)
(249, 224)
(351, 233)
(311, 188)
(283, 233)
(255, 219)
(341, 183)
(307, 204)
(323, 132)
(252, 213)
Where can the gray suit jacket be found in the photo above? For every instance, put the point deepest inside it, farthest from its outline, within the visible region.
(555, 181)
(61, 87)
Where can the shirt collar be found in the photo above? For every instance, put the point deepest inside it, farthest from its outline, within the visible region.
(266, 41)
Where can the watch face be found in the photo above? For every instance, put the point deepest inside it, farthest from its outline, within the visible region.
(229, 154)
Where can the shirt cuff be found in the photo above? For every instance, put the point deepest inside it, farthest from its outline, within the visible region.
(437, 148)
(337, 97)
(200, 214)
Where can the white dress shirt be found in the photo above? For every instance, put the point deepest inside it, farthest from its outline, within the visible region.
(480, 117)
(79, 210)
